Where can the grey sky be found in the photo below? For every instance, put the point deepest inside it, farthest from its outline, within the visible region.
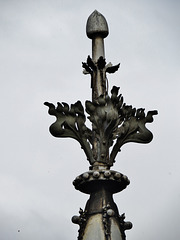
(42, 45)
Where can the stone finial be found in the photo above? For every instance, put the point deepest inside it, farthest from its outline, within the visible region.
(96, 25)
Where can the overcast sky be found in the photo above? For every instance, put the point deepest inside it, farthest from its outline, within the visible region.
(42, 46)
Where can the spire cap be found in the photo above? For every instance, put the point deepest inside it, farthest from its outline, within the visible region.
(97, 25)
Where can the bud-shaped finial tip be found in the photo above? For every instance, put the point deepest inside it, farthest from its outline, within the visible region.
(96, 25)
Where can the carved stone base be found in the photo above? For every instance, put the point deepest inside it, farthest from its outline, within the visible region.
(101, 220)
(91, 181)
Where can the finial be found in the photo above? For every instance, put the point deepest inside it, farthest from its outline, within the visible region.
(113, 124)
(97, 30)
(97, 25)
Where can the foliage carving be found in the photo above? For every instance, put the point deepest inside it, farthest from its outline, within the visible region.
(114, 123)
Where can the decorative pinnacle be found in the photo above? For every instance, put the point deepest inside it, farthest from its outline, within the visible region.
(96, 25)
(113, 122)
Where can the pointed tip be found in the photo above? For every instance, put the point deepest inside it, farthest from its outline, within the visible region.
(95, 12)
(96, 25)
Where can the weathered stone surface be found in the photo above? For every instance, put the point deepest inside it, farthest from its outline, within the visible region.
(97, 25)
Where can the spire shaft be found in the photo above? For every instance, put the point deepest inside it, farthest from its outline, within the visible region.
(97, 48)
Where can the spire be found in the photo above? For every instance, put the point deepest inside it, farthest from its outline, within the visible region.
(114, 123)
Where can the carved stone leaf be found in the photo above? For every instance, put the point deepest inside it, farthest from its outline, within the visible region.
(112, 120)
(101, 63)
(91, 64)
(112, 69)
(70, 122)
(133, 130)
(87, 69)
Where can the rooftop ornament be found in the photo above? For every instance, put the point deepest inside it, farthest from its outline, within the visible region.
(114, 123)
